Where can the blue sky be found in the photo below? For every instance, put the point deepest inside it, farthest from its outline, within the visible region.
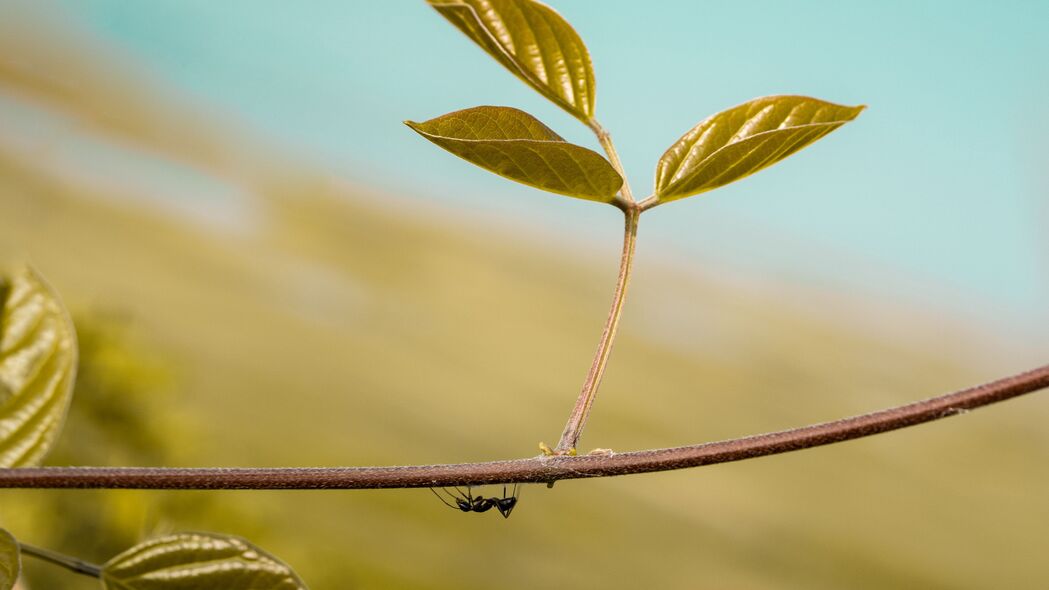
(940, 189)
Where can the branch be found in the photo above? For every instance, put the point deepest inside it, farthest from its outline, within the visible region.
(542, 469)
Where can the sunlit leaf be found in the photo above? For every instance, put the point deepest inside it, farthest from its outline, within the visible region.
(744, 139)
(10, 560)
(38, 356)
(198, 561)
(516, 145)
(534, 42)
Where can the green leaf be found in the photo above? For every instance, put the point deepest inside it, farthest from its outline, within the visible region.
(516, 145)
(10, 560)
(198, 561)
(38, 357)
(534, 42)
(744, 139)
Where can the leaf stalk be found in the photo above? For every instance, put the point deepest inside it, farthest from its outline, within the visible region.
(626, 197)
(647, 203)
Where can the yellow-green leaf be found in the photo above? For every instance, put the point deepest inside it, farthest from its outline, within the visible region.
(10, 560)
(38, 357)
(744, 139)
(198, 561)
(516, 145)
(534, 42)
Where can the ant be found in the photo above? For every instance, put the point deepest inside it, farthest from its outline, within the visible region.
(467, 502)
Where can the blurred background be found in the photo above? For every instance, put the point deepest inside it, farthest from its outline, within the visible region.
(267, 268)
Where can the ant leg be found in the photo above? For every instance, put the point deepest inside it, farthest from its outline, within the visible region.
(467, 495)
(441, 498)
(470, 502)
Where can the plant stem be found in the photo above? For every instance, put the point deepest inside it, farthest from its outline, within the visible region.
(624, 201)
(606, 142)
(71, 563)
(648, 203)
(581, 410)
(539, 469)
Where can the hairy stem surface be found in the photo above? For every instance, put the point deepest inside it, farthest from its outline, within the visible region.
(70, 563)
(542, 469)
(625, 201)
(581, 410)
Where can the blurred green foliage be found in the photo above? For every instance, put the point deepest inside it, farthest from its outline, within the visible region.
(123, 416)
(345, 335)
(124, 411)
(340, 326)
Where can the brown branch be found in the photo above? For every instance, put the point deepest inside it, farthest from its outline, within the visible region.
(540, 469)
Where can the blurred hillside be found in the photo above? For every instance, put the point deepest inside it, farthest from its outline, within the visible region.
(241, 308)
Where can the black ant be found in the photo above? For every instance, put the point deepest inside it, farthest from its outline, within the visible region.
(467, 502)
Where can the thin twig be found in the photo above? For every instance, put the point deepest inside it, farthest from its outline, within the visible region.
(542, 469)
(70, 563)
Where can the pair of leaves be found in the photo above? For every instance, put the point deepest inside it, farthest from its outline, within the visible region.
(537, 45)
(722, 149)
(38, 358)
